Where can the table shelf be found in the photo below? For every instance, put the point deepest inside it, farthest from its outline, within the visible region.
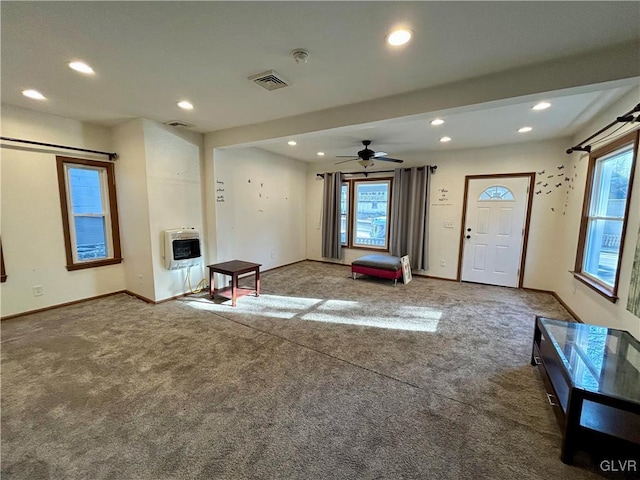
(592, 382)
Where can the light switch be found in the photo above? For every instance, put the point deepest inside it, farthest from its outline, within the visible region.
(448, 224)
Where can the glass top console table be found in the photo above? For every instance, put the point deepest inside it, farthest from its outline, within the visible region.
(592, 377)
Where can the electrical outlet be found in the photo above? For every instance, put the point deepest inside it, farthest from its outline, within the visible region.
(38, 291)
(443, 263)
(448, 224)
(273, 254)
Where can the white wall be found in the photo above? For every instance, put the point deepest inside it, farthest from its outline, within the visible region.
(173, 161)
(133, 207)
(263, 216)
(453, 166)
(158, 187)
(587, 304)
(31, 219)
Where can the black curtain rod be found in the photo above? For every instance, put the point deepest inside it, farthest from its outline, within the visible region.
(111, 155)
(432, 169)
(625, 118)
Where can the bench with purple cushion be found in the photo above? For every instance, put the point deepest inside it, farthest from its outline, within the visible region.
(382, 266)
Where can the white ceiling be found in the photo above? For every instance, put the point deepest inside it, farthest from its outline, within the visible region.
(479, 126)
(149, 55)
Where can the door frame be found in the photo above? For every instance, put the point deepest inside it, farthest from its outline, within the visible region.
(525, 240)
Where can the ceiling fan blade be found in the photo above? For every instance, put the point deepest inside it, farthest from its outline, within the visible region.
(380, 154)
(345, 161)
(387, 159)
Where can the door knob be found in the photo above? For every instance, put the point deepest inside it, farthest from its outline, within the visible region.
(468, 229)
(468, 236)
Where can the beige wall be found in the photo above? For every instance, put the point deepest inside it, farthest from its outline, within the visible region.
(173, 165)
(133, 203)
(162, 183)
(590, 306)
(31, 220)
(158, 186)
(263, 216)
(452, 168)
(158, 189)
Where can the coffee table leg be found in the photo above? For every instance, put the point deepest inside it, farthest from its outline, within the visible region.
(574, 411)
(257, 282)
(234, 288)
(210, 282)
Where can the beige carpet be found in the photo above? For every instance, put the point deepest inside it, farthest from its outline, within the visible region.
(321, 377)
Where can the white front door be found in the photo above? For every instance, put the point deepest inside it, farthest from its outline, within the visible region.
(494, 230)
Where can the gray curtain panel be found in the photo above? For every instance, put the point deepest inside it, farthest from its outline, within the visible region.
(409, 233)
(331, 245)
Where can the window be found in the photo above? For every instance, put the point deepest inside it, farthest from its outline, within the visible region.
(605, 212)
(365, 213)
(496, 193)
(89, 213)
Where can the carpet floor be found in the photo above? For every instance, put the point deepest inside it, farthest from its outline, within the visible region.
(321, 377)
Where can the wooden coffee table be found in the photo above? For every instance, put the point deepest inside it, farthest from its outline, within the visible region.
(234, 268)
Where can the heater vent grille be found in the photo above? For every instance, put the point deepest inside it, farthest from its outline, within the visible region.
(270, 80)
(178, 124)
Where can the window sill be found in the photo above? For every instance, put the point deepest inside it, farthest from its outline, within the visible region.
(369, 247)
(97, 263)
(596, 286)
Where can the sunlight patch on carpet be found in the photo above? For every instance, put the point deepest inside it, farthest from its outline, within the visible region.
(415, 319)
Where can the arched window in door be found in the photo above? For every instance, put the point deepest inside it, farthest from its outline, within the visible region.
(496, 192)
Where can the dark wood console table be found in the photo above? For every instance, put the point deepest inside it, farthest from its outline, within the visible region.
(234, 268)
(592, 377)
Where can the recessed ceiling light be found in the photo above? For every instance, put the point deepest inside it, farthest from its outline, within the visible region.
(185, 105)
(36, 95)
(445, 139)
(524, 129)
(399, 37)
(321, 154)
(541, 106)
(437, 121)
(292, 143)
(81, 67)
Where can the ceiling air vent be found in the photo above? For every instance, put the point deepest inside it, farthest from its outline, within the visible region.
(271, 80)
(178, 124)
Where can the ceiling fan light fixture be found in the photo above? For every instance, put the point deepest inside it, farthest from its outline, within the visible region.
(365, 163)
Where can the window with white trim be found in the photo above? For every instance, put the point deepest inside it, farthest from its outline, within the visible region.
(89, 212)
(605, 212)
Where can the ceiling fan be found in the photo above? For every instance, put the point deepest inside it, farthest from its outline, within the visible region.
(366, 156)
